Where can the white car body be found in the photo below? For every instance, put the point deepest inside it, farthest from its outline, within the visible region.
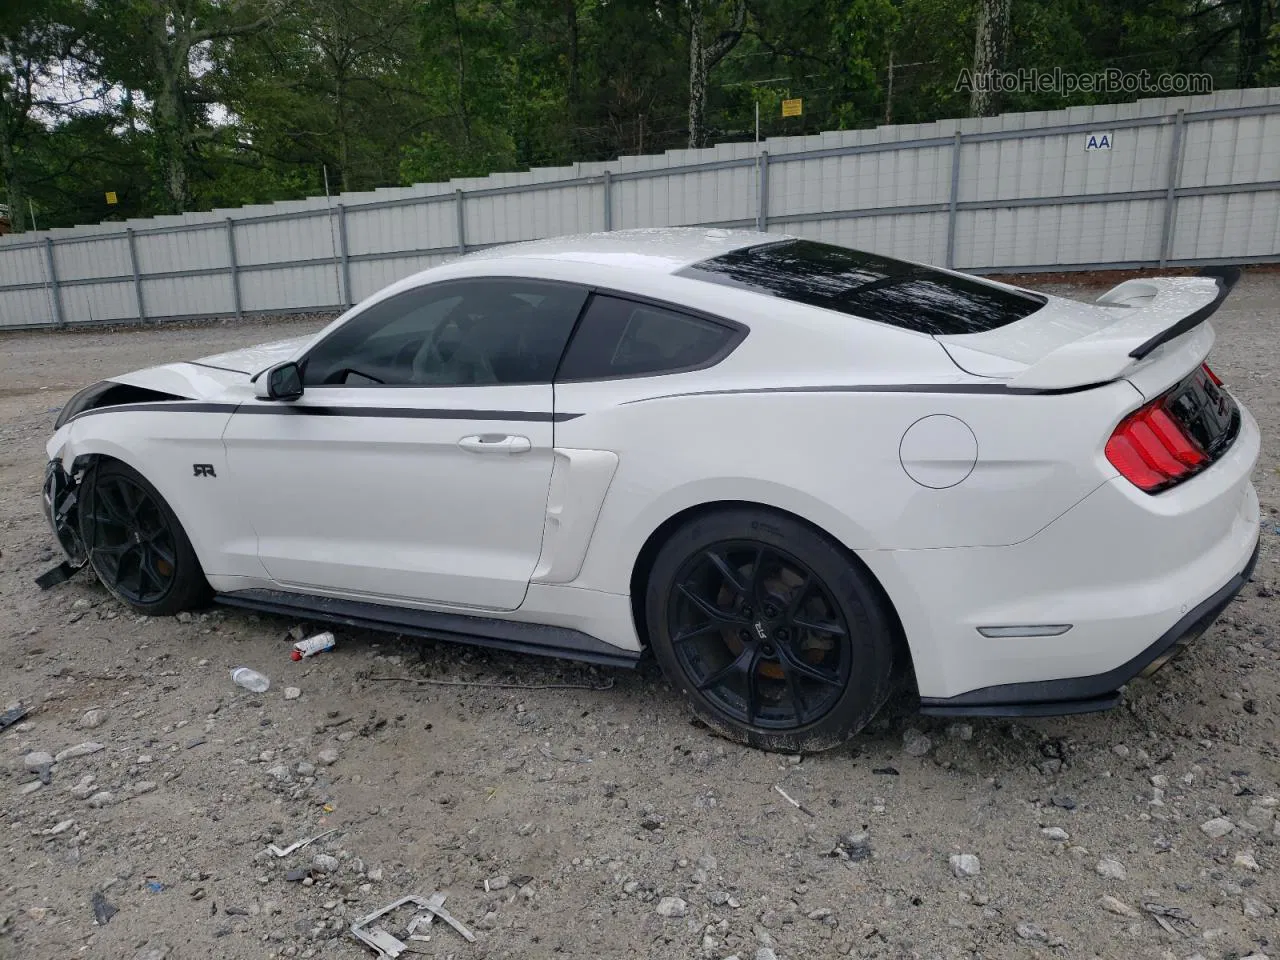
(967, 473)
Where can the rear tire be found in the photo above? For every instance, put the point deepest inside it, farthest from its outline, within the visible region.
(136, 546)
(773, 633)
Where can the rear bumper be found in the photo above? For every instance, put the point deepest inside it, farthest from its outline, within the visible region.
(1130, 573)
(1101, 690)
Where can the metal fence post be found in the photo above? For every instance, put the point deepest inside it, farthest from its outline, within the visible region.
(234, 267)
(1171, 186)
(137, 278)
(460, 203)
(608, 200)
(762, 210)
(955, 197)
(54, 296)
(344, 257)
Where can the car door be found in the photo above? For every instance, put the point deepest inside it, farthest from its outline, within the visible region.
(415, 465)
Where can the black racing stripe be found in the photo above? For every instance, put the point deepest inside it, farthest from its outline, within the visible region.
(169, 406)
(407, 413)
(996, 389)
(286, 409)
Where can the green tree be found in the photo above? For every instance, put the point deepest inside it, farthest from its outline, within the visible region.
(35, 40)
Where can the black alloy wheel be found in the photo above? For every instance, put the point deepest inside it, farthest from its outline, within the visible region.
(135, 543)
(775, 633)
(759, 635)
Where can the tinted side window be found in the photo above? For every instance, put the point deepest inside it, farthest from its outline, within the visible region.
(622, 338)
(908, 295)
(456, 333)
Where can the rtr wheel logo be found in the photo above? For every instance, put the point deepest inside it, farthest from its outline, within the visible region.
(760, 630)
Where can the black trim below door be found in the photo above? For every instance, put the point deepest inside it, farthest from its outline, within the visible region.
(534, 638)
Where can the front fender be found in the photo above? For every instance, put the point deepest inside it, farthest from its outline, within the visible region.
(180, 453)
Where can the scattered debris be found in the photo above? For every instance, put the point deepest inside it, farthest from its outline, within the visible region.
(292, 693)
(886, 771)
(284, 852)
(250, 680)
(155, 886)
(295, 875)
(388, 946)
(102, 910)
(10, 717)
(795, 803)
(313, 645)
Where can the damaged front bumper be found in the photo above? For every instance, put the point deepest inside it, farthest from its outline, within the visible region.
(61, 501)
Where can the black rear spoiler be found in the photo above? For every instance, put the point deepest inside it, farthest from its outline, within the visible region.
(1226, 277)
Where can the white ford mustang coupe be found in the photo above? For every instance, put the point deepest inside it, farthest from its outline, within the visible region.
(794, 471)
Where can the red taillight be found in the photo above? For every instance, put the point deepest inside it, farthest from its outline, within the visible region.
(1151, 450)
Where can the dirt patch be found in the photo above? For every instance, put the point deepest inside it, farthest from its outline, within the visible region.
(604, 821)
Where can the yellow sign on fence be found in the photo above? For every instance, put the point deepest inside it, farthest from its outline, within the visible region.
(791, 108)
(111, 197)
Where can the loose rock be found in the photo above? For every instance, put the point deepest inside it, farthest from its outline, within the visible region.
(92, 719)
(1119, 908)
(672, 907)
(328, 757)
(324, 863)
(915, 743)
(965, 865)
(1217, 828)
(79, 750)
(292, 693)
(37, 760)
(1056, 834)
(1110, 869)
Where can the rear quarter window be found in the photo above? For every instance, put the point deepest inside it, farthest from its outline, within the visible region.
(625, 338)
(901, 294)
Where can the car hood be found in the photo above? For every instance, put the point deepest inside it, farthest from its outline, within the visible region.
(215, 376)
(251, 360)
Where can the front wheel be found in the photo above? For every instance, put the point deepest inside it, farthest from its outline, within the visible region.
(773, 633)
(135, 543)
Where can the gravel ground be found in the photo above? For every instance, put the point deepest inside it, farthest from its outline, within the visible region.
(596, 821)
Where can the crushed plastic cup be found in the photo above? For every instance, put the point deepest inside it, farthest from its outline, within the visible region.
(313, 645)
(250, 679)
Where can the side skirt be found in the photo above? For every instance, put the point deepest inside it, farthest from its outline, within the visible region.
(534, 638)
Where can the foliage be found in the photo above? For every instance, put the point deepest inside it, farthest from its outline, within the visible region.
(195, 104)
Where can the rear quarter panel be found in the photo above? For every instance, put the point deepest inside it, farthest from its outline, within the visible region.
(833, 459)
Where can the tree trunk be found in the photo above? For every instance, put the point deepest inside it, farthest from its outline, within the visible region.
(697, 78)
(169, 60)
(14, 193)
(988, 55)
(344, 146)
(462, 78)
(1252, 42)
(703, 56)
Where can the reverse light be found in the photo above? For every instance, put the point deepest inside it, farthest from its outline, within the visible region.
(1152, 450)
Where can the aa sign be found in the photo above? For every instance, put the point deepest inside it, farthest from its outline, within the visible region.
(1098, 141)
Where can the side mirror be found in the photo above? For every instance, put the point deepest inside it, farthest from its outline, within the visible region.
(281, 382)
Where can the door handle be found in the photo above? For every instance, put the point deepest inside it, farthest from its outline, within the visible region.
(495, 443)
